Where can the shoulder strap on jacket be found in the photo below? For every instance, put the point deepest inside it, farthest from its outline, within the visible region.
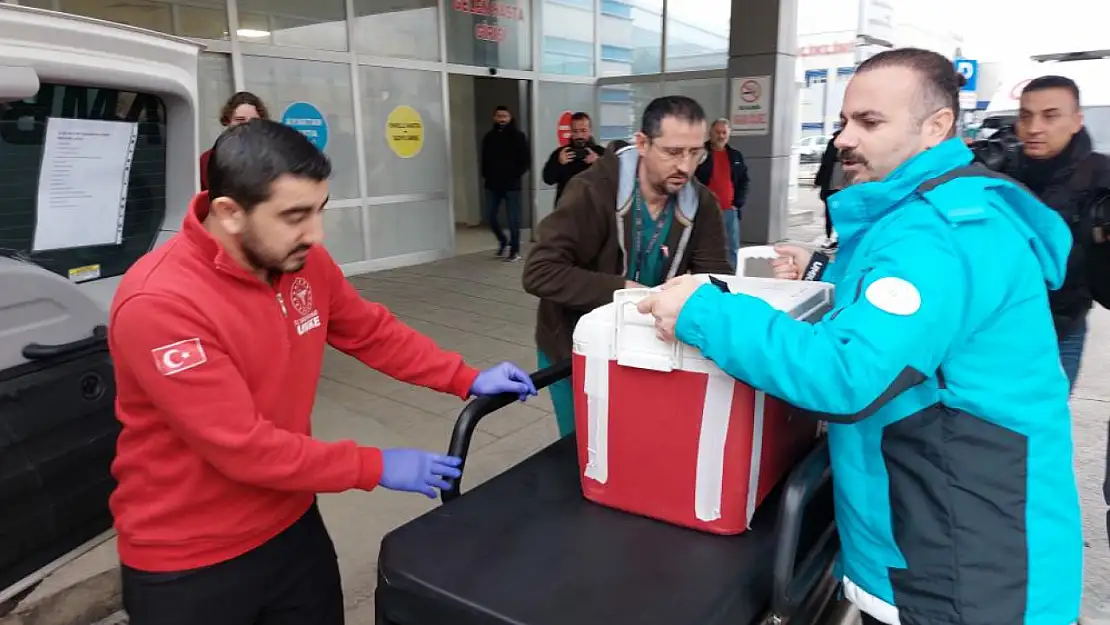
(974, 170)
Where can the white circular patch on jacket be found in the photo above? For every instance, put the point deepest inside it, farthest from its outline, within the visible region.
(895, 296)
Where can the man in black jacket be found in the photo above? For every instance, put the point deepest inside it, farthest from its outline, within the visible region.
(570, 160)
(1061, 167)
(506, 157)
(724, 172)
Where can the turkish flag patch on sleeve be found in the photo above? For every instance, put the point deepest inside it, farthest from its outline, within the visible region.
(179, 356)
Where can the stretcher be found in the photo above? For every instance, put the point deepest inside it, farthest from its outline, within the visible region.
(525, 548)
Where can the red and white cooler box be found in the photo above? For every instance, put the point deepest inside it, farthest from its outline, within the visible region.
(663, 433)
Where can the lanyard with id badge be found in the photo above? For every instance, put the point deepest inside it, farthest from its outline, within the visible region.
(642, 253)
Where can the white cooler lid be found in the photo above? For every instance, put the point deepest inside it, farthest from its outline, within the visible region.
(617, 331)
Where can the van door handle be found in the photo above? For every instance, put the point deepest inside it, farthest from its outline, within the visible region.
(38, 351)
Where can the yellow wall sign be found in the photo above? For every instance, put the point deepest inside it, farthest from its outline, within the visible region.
(404, 131)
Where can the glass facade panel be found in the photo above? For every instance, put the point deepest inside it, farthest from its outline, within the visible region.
(409, 228)
(568, 37)
(711, 93)
(407, 28)
(205, 19)
(631, 37)
(404, 132)
(343, 234)
(620, 108)
(697, 34)
(325, 87)
(489, 33)
(215, 86)
(320, 24)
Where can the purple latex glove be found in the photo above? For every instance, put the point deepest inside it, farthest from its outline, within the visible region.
(417, 471)
(504, 378)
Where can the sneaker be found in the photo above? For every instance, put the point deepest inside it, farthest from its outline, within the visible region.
(512, 258)
(1099, 616)
(501, 251)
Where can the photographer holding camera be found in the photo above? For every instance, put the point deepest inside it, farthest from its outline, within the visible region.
(570, 160)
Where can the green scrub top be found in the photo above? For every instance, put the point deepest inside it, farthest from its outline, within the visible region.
(647, 261)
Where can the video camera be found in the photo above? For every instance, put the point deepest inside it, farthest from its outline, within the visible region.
(1002, 151)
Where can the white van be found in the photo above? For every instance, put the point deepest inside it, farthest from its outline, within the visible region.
(1094, 89)
(91, 69)
(57, 389)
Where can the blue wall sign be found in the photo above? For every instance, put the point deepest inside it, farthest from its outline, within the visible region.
(309, 121)
(969, 69)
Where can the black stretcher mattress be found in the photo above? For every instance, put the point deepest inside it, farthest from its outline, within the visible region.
(526, 548)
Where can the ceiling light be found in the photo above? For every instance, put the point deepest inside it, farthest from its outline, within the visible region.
(251, 33)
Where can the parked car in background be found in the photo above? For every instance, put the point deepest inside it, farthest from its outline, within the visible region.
(811, 148)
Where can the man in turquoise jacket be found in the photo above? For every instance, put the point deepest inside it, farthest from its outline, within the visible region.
(937, 367)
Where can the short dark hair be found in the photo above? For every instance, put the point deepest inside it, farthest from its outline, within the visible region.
(501, 107)
(248, 158)
(239, 99)
(679, 107)
(580, 116)
(1052, 81)
(940, 87)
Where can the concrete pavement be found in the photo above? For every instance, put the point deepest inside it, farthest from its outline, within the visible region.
(475, 305)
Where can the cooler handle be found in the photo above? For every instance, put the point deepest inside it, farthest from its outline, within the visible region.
(766, 252)
(635, 342)
(477, 410)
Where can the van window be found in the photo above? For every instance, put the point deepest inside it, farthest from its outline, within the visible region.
(1097, 121)
(22, 133)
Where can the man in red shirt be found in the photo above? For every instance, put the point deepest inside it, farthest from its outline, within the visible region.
(724, 172)
(218, 339)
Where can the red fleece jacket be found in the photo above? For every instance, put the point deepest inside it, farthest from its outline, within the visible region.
(216, 375)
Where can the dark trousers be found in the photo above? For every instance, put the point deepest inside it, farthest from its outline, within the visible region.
(1071, 350)
(291, 580)
(512, 211)
(828, 218)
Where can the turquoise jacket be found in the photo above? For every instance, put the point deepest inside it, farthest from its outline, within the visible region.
(939, 372)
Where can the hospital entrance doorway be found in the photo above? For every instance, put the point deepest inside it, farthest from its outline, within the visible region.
(472, 103)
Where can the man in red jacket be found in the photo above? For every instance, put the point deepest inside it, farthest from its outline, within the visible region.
(218, 340)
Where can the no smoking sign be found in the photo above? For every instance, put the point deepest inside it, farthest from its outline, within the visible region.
(750, 91)
(750, 112)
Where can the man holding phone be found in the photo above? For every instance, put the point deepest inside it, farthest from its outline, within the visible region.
(574, 158)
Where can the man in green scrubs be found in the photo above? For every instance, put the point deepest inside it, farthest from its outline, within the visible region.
(636, 218)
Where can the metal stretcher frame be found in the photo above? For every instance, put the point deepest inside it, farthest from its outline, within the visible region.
(796, 585)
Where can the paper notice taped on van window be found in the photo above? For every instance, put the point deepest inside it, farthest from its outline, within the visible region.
(82, 194)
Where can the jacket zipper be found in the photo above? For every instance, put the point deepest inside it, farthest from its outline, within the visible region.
(281, 302)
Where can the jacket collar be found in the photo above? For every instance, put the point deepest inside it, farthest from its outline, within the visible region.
(855, 208)
(210, 249)
(709, 147)
(628, 159)
(1039, 174)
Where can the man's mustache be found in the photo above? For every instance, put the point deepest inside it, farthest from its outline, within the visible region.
(851, 156)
